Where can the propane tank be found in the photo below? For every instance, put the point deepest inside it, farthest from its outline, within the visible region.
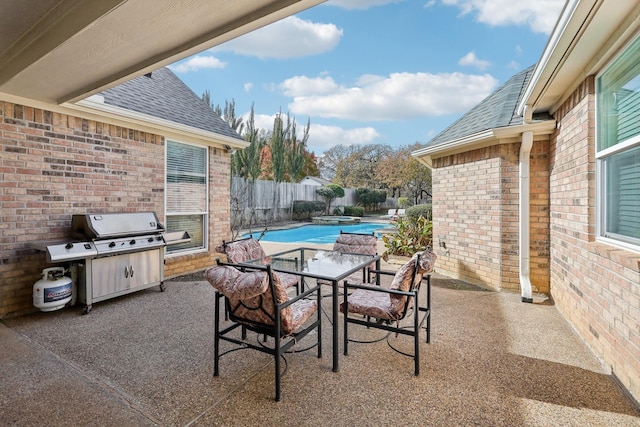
(53, 291)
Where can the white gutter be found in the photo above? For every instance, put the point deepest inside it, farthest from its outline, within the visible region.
(504, 135)
(548, 62)
(524, 237)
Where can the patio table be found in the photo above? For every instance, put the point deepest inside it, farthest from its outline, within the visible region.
(326, 265)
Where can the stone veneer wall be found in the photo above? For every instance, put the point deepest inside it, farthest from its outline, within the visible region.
(594, 285)
(53, 165)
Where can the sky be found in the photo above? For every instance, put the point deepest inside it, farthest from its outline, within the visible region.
(393, 72)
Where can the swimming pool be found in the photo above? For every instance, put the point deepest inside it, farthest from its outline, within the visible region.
(316, 233)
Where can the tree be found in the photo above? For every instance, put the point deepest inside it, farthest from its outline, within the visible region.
(310, 167)
(295, 150)
(391, 172)
(416, 176)
(329, 193)
(246, 163)
(330, 161)
(370, 198)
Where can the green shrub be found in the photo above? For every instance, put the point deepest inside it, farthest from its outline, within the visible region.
(412, 236)
(305, 209)
(354, 210)
(403, 202)
(415, 212)
(370, 198)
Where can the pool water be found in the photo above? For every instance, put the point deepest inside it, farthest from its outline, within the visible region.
(316, 233)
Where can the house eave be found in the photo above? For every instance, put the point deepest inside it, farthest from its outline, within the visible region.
(102, 111)
(483, 139)
(125, 118)
(588, 33)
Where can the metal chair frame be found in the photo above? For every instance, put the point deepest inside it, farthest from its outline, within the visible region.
(282, 343)
(412, 330)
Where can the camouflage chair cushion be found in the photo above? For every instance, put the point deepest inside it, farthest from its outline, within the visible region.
(248, 249)
(243, 250)
(356, 244)
(251, 301)
(383, 305)
(366, 244)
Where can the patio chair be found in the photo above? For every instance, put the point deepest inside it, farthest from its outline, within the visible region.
(391, 214)
(385, 308)
(357, 243)
(242, 250)
(255, 300)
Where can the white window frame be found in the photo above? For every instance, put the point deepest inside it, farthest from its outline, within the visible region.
(601, 156)
(205, 213)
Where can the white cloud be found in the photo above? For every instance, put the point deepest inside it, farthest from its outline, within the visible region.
(472, 60)
(399, 96)
(248, 86)
(322, 137)
(196, 63)
(360, 4)
(539, 15)
(302, 86)
(514, 65)
(291, 37)
(261, 121)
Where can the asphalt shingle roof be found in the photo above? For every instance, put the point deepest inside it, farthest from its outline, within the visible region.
(497, 110)
(162, 94)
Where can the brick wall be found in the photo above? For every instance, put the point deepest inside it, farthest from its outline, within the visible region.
(53, 165)
(475, 213)
(595, 286)
(468, 214)
(539, 217)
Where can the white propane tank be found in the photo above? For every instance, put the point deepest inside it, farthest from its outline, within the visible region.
(53, 291)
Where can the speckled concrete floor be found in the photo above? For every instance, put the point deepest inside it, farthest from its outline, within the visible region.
(146, 359)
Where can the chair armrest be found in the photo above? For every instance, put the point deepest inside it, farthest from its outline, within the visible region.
(379, 289)
(386, 272)
(241, 266)
(300, 296)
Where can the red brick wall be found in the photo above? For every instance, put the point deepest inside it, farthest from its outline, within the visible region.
(53, 165)
(596, 286)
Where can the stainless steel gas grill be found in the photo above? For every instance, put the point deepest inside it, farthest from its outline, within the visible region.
(113, 254)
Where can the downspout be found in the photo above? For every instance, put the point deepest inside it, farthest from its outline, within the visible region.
(525, 279)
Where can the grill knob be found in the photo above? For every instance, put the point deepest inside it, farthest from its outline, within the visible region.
(158, 238)
(150, 240)
(68, 245)
(112, 244)
(132, 242)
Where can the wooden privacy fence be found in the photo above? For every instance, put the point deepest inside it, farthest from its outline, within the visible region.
(271, 201)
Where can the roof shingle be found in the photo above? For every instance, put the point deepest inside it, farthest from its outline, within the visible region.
(163, 95)
(497, 110)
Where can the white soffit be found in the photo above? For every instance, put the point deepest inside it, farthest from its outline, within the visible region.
(584, 32)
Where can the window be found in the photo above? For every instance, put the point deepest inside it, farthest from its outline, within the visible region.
(186, 194)
(618, 148)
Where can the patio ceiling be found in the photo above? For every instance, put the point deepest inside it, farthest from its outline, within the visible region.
(58, 51)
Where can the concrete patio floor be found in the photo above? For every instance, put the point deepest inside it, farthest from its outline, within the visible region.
(147, 359)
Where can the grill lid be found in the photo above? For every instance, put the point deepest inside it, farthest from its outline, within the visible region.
(105, 225)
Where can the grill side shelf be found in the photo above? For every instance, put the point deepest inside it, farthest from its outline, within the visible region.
(175, 237)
